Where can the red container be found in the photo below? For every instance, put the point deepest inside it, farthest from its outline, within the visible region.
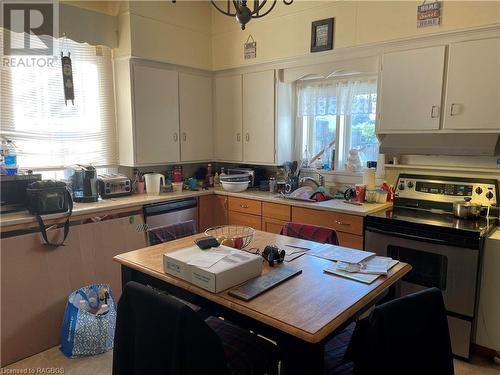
(360, 193)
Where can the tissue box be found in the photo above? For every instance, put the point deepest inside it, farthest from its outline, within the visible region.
(234, 268)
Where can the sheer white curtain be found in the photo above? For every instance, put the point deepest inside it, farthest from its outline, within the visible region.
(47, 132)
(336, 97)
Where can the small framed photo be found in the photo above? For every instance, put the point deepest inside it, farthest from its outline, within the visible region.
(322, 35)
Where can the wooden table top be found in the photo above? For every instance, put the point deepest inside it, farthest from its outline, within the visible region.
(309, 306)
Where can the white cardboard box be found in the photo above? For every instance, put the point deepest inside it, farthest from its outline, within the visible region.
(235, 268)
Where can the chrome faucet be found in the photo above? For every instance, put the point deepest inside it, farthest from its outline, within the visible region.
(318, 184)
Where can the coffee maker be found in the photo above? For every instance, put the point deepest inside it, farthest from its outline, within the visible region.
(84, 183)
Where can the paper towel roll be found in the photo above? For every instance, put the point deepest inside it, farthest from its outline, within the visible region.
(381, 166)
(369, 178)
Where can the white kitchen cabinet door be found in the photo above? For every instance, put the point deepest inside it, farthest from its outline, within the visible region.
(156, 115)
(258, 117)
(411, 90)
(195, 103)
(473, 87)
(228, 118)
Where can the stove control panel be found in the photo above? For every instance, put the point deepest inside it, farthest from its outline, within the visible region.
(446, 189)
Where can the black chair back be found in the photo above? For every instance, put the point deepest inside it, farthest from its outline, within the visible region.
(158, 334)
(406, 336)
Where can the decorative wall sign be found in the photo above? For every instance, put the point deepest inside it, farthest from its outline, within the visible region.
(67, 71)
(429, 14)
(250, 48)
(322, 35)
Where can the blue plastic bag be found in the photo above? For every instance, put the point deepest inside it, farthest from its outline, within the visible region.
(84, 332)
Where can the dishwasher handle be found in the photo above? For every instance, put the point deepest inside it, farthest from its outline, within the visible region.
(166, 207)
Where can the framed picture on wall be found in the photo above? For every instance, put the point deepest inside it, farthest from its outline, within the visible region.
(322, 35)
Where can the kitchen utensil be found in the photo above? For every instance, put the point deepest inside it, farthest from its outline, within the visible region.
(302, 192)
(153, 182)
(466, 210)
(139, 187)
(293, 168)
(235, 186)
(237, 235)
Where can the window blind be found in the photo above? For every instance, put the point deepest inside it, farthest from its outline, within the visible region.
(49, 133)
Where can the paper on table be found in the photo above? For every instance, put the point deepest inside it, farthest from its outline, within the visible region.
(366, 278)
(376, 265)
(339, 253)
(206, 259)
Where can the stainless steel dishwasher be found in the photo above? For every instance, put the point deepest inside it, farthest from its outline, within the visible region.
(161, 214)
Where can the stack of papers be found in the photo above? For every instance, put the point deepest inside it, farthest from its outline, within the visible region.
(366, 272)
(340, 254)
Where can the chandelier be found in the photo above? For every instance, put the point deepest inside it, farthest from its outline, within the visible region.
(243, 14)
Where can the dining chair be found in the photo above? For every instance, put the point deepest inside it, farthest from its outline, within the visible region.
(171, 232)
(408, 335)
(310, 232)
(158, 334)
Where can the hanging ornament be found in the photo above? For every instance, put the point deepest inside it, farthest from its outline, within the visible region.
(67, 71)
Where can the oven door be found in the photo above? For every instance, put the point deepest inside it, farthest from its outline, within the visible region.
(451, 269)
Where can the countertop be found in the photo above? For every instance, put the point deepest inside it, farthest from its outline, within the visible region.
(104, 205)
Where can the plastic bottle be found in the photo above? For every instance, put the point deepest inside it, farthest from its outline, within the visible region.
(209, 179)
(10, 158)
(3, 148)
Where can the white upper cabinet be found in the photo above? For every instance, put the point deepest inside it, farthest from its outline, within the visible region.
(228, 118)
(473, 86)
(258, 117)
(195, 103)
(411, 90)
(156, 115)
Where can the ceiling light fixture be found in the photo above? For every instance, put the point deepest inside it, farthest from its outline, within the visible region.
(243, 14)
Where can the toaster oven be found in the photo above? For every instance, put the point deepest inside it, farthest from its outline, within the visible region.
(114, 185)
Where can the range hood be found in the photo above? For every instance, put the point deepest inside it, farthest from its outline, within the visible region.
(474, 144)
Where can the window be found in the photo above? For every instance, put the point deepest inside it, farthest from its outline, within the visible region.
(47, 132)
(341, 112)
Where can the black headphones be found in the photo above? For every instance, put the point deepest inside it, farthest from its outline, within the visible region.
(273, 255)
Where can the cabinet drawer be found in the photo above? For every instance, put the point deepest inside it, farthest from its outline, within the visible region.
(238, 218)
(350, 240)
(276, 211)
(272, 225)
(248, 206)
(338, 221)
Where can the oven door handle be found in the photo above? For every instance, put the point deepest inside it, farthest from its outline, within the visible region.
(409, 236)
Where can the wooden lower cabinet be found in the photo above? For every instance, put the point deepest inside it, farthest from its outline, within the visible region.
(212, 211)
(238, 218)
(36, 280)
(349, 228)
(350, 240)
(272, 225)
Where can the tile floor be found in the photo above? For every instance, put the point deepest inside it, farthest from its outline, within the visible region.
(101, 364)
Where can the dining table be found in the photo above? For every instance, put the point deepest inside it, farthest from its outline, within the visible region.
(300, 314)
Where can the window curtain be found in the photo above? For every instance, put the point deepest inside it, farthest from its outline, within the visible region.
(334, 97)
(47, 132)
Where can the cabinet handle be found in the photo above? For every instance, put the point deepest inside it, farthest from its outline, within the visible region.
(342, 223)
(176, 137)
(247, 137)
(243, 206)
(434, 109)
(238, 137)
(452, 109)
(184, 136)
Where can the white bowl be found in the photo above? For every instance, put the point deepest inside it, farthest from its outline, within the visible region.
(235, 187)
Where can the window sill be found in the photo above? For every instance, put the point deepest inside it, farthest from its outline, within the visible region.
(335, 172)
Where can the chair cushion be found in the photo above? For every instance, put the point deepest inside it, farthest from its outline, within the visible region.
(246, 353)
(335, 350)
